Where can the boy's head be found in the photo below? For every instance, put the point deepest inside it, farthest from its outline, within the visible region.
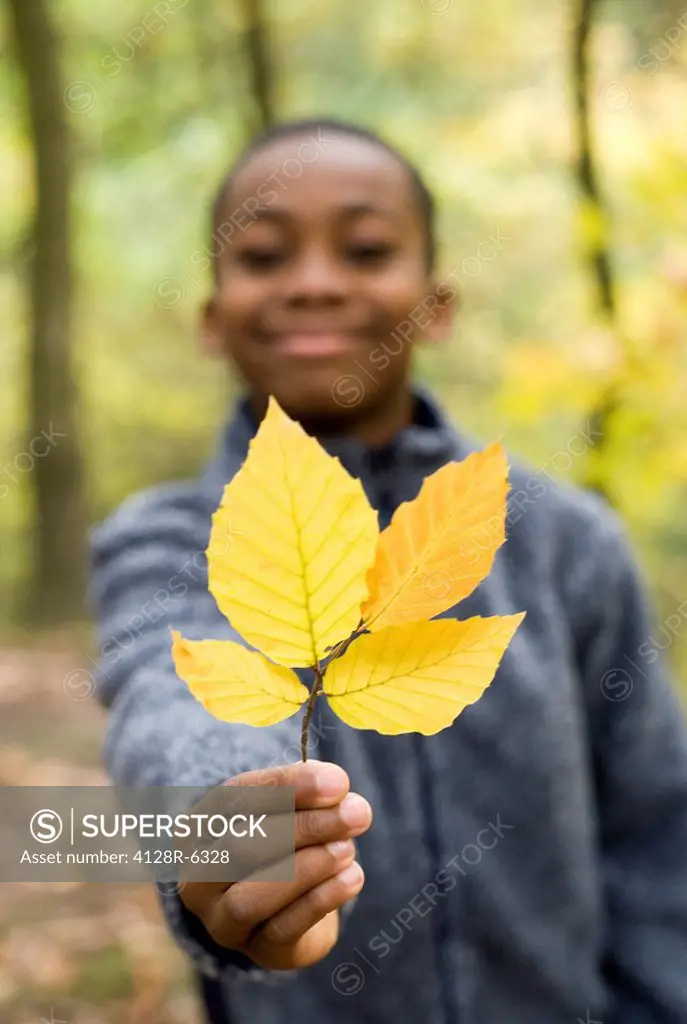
(323, 248)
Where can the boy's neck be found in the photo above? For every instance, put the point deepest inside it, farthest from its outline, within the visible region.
(378, 428)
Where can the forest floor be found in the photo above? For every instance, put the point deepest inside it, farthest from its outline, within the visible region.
(75, 952)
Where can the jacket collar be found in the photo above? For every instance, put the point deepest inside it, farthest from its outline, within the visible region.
(396, 468)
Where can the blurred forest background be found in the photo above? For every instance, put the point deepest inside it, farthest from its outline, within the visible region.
(558, 129)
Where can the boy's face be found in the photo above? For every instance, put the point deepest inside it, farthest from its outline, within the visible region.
(316, 285)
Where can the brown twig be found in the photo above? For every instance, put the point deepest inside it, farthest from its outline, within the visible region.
(336, 652)
(314, 694)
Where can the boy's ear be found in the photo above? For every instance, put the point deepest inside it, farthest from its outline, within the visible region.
(210, 333)
(442, 303)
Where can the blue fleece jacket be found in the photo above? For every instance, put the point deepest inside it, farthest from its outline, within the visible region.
(527, 865)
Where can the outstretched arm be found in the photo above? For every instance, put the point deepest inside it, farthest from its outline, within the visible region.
(149, 573)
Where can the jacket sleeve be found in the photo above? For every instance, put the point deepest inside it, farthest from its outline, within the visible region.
(639, 747)
(149, 573)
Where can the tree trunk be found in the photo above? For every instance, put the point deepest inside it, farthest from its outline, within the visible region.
(260, 69)
(53, 452)
(587, 178)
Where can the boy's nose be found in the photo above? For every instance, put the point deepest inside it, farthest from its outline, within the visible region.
(317, 279)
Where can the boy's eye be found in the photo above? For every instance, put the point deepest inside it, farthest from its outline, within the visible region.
(263, 258)
(367, 253)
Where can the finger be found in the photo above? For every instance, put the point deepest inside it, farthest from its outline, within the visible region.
(289, 925)
(313, 827)
(317, 783)
(310, 827)
(317, 943)
(248, 904)
(351, 817)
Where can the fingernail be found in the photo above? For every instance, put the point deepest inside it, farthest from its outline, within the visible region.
(351, 876)
(331, 780)
(342, 849)
(355, 811)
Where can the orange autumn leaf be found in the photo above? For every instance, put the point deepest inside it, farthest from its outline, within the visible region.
(440, 546)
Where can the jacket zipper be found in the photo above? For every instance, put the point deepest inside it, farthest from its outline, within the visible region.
(440, 921)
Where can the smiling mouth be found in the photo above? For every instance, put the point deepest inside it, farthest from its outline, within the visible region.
(316, 344)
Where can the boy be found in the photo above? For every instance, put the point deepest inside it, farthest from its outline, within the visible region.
(526, 865)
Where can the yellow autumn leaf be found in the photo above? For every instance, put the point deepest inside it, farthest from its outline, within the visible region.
(236, 684)
(419, 677)
(440, 546)
(290, 545)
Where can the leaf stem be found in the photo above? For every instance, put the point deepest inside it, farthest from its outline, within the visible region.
(314, 694)
(336, 652)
